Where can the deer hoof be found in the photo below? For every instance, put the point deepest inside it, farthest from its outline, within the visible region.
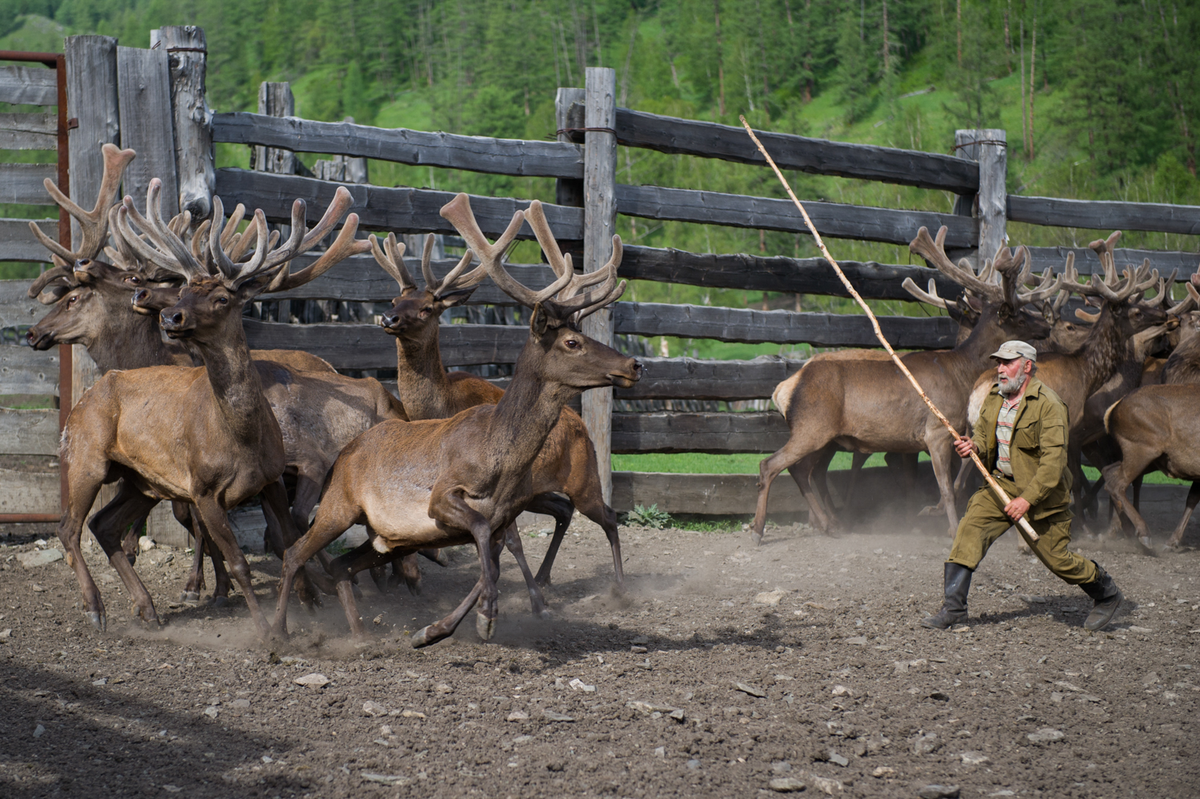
(98, 620)
(756, 536)
(220, 601)
(485, 627)
(1147, 545)
(190, 597)
(420, 638)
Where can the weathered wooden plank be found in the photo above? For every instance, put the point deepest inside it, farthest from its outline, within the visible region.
(28, 432)
(568, 113)
(187, 58)
(698, 432)
(988, 150)
(600, 220)
(28, 85)
(17, 309)
(352, 346)
(360, 279)
(831, 219)
(798, 275)
(401, 210)
(816, 156)
(29, 492)
(688, 378)
(24, 370)
(17, 242)
(1105, 215)
(782, 327)
(22, 183)
(28, 131)
(702, 494)
(143, 80)
(1088, 263)
(419, 148)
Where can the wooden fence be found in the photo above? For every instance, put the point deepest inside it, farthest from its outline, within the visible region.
(153, 101)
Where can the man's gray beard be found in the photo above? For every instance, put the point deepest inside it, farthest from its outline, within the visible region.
(1009, 387)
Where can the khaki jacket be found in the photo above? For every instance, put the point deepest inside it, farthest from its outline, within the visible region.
(1039, 447)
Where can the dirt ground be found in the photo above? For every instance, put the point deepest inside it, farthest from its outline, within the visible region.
(724, 669)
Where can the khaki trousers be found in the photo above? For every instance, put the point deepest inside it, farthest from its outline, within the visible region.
(985, 521)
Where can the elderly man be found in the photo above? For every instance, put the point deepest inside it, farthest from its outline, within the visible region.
(1022, 437)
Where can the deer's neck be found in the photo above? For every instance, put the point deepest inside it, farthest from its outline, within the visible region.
(973, 354)
(421, 378)
(1103, 350)
(134, 345)
(524, 416)
(236, 387)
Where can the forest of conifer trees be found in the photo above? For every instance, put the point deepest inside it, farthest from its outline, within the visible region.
(1098, 97)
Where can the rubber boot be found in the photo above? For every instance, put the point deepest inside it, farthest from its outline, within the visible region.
(1106, 596)
(954, 608)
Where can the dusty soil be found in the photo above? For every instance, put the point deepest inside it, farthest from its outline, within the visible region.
(724, 670)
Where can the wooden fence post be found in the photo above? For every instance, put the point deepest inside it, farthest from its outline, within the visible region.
(567, 192)
(93, 108)
(276, 100)
(144, 89)
(600, 222)
(187, 53)
(989, 148)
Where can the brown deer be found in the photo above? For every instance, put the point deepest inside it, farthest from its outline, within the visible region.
(201, 435)
(93, 308)
(1157, 427)
(464, 479)
(567, 462)
(869, 406)
(1122, 314)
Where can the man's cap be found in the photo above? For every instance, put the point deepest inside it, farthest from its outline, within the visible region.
(1015, 349)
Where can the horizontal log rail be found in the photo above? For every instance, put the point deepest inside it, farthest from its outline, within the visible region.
(713, 433)
(516, 157)
(400, 209)
(1104, 215)
(834, 220)
(780, 327)
(29, 131)
(359, 279)
(22, 85)
(22, 183)
(17, 242)
(816, 156)
(1087, 262)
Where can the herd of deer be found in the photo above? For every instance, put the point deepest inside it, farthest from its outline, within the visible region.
(199, 419)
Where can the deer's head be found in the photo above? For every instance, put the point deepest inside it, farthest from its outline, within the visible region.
(225, 268)
(557, 350)
(415, 311)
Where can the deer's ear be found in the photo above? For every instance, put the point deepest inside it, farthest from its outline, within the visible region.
(457, 297)
(540, 322)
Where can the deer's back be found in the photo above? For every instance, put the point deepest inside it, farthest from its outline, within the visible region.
(1166, 418)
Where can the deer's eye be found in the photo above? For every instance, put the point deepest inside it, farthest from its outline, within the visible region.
(222, 300)
(571, 343)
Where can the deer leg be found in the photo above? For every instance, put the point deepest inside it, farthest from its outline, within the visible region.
(128, 506)
(432, 633)
(562, 510)
(941, 453)
(606, 517)
(769, 469)
(362, 557)
(195, 584)
(326, 527)
(1117, 477)
(1192, 498)
(820, 516)
(820, 474)
(216, 525)
(449, 507)
(512, 540)
(275, 504)
(129, 542)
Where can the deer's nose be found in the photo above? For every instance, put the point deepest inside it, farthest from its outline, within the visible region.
(140, 296)
(171, 318)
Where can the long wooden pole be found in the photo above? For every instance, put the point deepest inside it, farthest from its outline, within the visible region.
(1023, 524)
